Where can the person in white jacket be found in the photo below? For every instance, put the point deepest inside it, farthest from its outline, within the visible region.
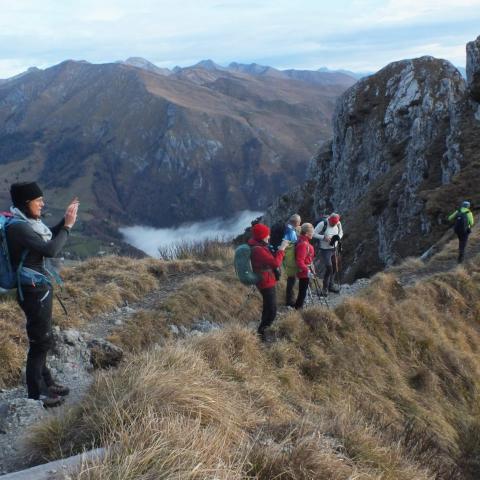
(329, 231)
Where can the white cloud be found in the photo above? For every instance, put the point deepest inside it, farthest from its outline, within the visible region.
(150, 240)
(312, 33)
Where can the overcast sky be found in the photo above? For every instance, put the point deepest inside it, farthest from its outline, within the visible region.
(361, 35)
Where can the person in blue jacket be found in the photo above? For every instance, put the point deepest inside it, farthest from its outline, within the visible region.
(291, 234)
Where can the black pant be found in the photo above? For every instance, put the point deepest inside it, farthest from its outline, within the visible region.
(289, 300)
(302, 292)
(269, 310)
(462, 245)
(37, 306)
(330, 261)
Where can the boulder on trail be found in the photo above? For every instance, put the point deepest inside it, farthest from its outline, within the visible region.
(104, 354)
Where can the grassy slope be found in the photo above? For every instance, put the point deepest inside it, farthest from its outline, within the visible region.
(384, 387)
(96, 286)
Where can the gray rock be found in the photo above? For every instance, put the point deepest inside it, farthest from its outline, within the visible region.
(204, 326)
(71, 337)
(174, 329)
(473, 68)
(104, 354)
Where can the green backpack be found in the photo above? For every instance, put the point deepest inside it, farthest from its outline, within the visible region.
(289, 261)
(243, 265)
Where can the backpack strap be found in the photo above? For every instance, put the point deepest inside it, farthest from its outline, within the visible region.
(325, 226)
(269, 269)
(19, 270)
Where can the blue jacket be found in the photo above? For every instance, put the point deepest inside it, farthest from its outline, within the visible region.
(290, 234)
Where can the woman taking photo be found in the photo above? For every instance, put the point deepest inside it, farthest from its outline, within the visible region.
(30, 241)
(264, 263)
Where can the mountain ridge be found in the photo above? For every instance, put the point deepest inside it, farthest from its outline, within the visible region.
(140, 147)
(404, 154)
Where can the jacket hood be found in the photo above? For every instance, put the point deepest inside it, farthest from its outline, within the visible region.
(252, 242)
(303, 238)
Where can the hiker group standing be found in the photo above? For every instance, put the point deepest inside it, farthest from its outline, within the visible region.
(290, 246)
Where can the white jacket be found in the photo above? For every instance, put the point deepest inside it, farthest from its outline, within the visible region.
(329, 232)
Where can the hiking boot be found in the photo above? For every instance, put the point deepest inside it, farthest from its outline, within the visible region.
(324, 292)
(333, 288)
(51, 402)
(56, 389)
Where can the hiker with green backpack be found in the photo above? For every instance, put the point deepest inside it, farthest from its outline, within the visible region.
(462, 220)
(28, 242)
(291, 233)
(263, 264)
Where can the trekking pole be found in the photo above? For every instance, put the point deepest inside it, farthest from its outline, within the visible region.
(337, 269)
(322, 297)
(316, 284)
(244, 304)
(340, 270)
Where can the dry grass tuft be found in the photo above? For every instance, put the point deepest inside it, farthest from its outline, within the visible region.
(212, 298)
(143, 329)
(12, 342)
(207, 250)
(99, 285)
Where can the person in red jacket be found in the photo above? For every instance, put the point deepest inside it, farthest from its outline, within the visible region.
(264, 262)
(304, 255)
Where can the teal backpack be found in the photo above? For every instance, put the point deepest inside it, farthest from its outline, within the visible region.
(8, 276)
(243, 265)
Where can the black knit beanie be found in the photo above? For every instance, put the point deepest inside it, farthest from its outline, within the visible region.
(22, 192)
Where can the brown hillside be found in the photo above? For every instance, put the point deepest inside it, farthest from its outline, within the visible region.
(140, 147)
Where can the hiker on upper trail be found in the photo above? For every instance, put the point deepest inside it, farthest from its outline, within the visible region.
(264, 262)
(463, 223)
(30, 241)
(291, 235)
(329, 232)
(304, 255)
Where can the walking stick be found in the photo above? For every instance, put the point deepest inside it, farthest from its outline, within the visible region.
(337, 267)
(316, 284)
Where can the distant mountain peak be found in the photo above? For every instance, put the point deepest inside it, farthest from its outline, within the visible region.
(253, 69)
(208, 65)
(144, 64)
(20, 75)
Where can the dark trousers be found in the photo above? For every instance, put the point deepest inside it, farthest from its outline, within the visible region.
(269, 310)
(462, 245)
(37, 306)
(289, 300)
(329, 260)
(302, 292)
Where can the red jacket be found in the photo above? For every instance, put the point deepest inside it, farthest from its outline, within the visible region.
(304, 254)
(264, 262)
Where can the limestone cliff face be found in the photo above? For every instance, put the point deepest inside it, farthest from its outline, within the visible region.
(473, 68)
(403, 143)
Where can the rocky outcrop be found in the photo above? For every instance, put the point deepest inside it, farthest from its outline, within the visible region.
(104, 354)
(402, 155)
(473, 68)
